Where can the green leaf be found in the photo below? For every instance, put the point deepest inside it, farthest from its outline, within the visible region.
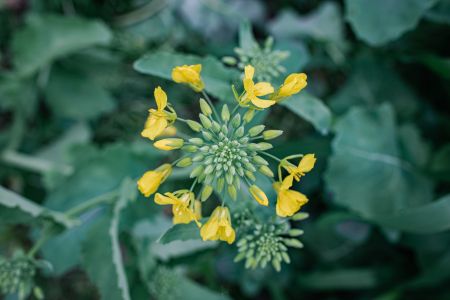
(21, 210)
(48, 37)
(99, 250)
(246, 38)
(439, 65)
(440, 13)
(429, 218)
(311, 109)
(217, 78)
(379, 22)
(366, 172)
(324, 24)
(74, 95)
(341, 279)
(440, 164)
(180, 232)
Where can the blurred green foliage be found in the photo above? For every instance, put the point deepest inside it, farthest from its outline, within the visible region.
(76, 81)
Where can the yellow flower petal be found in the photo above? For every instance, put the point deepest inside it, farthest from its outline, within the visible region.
(163, 200)
(154, 127)
(189, 75)
(249, 71)
(260, 103)
(160, 98)
(169, 144)
(293, 84)
(263, 88)
(151, 180)
(306, 163)
(288, 201)
(218, 227)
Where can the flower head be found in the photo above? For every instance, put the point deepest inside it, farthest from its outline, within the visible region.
(293, 84)
(304, 166)
(218, 227)
(149, 183)
(254, 90)
(183, 206)
(288, 201)
(158, 119)
(189, 75)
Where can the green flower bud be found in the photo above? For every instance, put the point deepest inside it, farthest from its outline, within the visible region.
(206, 192)
(271, 134)
(220, 184)
(232, 192)
(197, 171)
(264, 146)
(229, 60)
(205, 121)
(300, 216)
(293, 243)
(259, 160)
(253, 147)
(215, 127)
(204, 107)
(236, 121)
(225, 113)
(286, 257)
(198, 157)
(239, 132)
(266, 171)
(250, 175)
(295, 232)
(248, 116)
(207, 135)
(196, 141)
(276, 265)
(185, 162)
(195, 126)
(209, 169)
(255, 130)
(189, 148)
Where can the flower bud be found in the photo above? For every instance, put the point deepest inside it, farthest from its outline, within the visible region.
(196, 141)
(232, 192)
(250, 175)
(300, 216)
(205, 121)
(196, 126)
(271, 134)
(255, 130)
(207, 135)
(190, 148)
(239, 132)
(266, 171)
(197, 171)
(215, 127)
(236, 121)
(225, 113)
(248, 116)
(206, 192)
(185, 162)
(220, 184)
(169, 144)
(259, 160)
(205, 108)
(295, 232)
(259, 195)
(293, 243)
(264, 146)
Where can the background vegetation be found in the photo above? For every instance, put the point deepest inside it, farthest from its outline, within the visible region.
(376, 113)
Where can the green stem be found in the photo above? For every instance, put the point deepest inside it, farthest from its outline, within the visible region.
(104, 198)
(193, 185)
(271, 156)
(34, 164)
(46, 233)
(211, 104)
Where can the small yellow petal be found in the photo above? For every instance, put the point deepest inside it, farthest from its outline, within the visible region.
(156, 126)
(260, 103)
(163, 200)
(249, 71)
(263, 88)
(306, 163)
(160, 98)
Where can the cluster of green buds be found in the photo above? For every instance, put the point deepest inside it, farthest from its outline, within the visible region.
(226, 153)
(17, 277)
(265, 60)
(267, 243)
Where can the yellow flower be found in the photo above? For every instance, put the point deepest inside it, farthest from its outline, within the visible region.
(293, 84)
(304, 166)
(218, 226)
(190, 75)
(288, 201)
(253, 91)
(183, 205)
(169, 144)
(151, 180)
(158, 119)
(259, 195)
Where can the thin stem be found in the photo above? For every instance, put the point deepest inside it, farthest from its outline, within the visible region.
(210, 104)
(235, 109)
(104, 198)
(34, 164)
(41, 241)
(271, 156)
(193, 184)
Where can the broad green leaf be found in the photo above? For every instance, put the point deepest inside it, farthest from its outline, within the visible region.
(429, 218)
(440, 164)
(379, 22)
(218, 79)
(366, 172)
(311, 109)
(246, 38)
(73, 95)
(181, 232)
(17, 209)
(373, 81)
(340, 279)
(100, 250)
(48, 37)
(324, 24)
(178, 248)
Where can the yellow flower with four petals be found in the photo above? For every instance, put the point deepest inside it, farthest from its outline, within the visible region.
(185, 208)
(189, 75)
(218, 227)
(288, 201)
(254, 90)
